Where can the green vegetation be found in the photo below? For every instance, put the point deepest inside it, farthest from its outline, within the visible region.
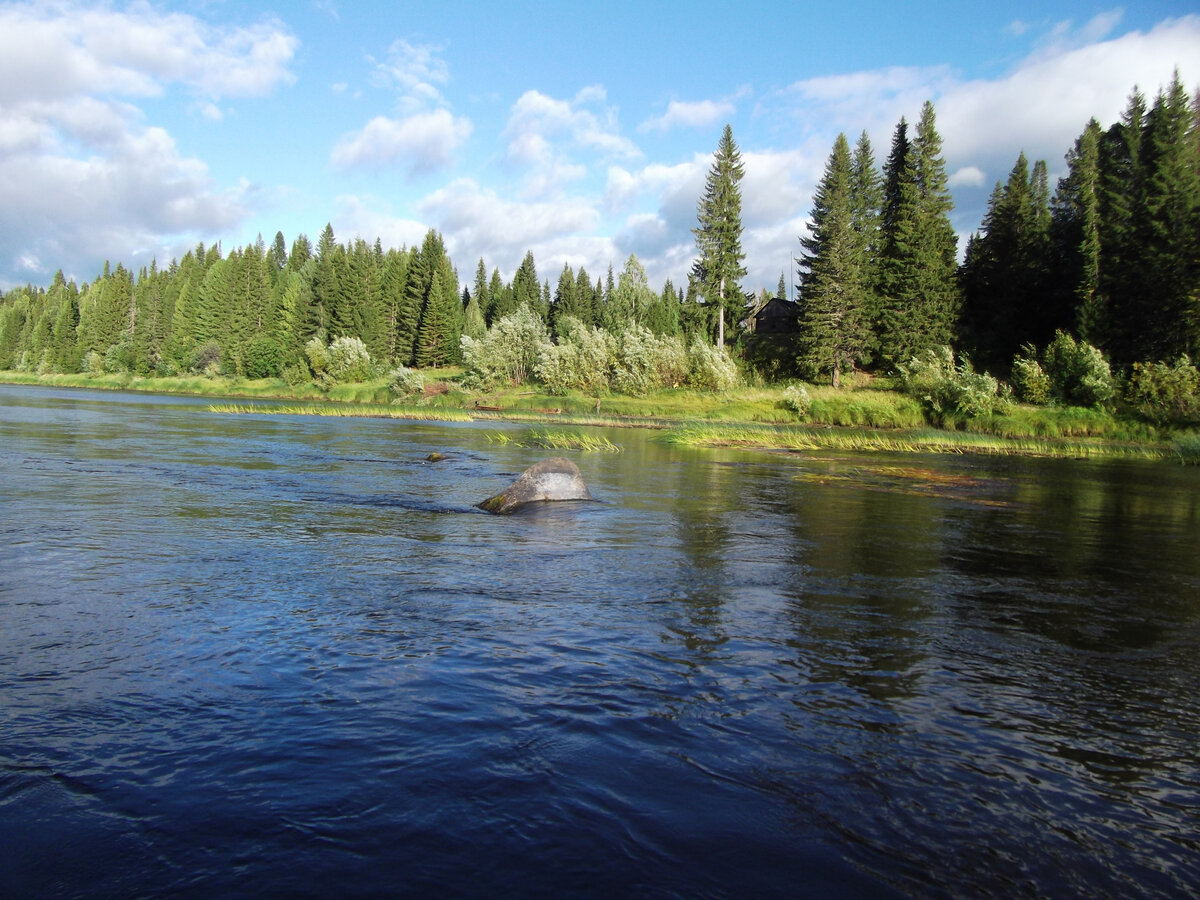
(549, 439)
(1102, 273)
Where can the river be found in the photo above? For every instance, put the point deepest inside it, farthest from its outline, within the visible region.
(247, 655)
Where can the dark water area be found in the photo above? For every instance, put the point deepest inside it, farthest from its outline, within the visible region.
(275, 655)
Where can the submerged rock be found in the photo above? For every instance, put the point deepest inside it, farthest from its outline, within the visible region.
(551, 479)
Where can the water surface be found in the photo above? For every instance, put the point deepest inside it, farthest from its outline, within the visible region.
(247, 655)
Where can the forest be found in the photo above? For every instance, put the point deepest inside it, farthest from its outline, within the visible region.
(1109, 260)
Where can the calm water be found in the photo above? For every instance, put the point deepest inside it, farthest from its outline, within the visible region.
(247, 655)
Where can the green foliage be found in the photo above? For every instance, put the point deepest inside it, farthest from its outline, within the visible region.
(207, 358)
(263, 358)
(1078, 372)
(711, 368)
(583, 359)
(318, 356)
(1165, 394)
(508, 353)
(348, 360)
(1029, 381)
(719, 268)
(949, 389)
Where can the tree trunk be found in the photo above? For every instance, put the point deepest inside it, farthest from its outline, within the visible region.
(721, 319)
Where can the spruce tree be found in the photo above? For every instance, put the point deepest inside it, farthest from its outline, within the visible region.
(719, 268)
(835, 327)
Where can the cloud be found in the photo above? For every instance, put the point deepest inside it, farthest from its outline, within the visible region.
(967, 176)
(477, 221)
(55, 51)
(690, 114)
(423, 142)
(545, 135)
(414, 71)
(135, 196)
(82, 176)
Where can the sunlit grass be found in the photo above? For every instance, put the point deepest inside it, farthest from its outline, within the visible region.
(914, 441)
(550, 439)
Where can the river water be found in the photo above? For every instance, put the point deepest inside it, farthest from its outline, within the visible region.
(245, 655)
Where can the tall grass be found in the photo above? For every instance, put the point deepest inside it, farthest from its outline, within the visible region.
(927, 440)
(548, 439)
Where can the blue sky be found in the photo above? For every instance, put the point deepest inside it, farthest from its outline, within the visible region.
(579, 131)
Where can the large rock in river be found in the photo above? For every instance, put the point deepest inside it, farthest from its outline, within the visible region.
(551, 479)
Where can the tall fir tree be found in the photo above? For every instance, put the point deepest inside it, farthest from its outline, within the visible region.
(835, 322)
(719, 268)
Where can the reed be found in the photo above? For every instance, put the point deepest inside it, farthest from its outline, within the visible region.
(911, 441)
(548, 439)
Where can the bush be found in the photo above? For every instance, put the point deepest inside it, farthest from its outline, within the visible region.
(264, 357)
(1078, 372)
(119, 358)
(93, 363)
(1029, 380)
(711, 368)
(1165, 394)
(948, 389)
(508, 353)
(796, 398)
(404, 382)
(349, 360)
(207, 359)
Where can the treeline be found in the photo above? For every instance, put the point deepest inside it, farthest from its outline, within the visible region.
(252, 312)
(1113, 255)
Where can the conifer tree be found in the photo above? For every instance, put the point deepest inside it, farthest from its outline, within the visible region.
(719, 268)
(835, 327)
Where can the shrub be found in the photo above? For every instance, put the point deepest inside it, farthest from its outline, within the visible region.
(349, 360)
(93, 363)
(1078, 372)
(1165, 394)
(207, 359)
(583, 359)
(404, 382)
(711, 368)
(263, 357)
(1029, 380)
(119, 358)
(508, 353)
(948, 389)
(796, 398)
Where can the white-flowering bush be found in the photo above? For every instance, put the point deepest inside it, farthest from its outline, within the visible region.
(508, 353)
(947, 388)
(711, 368)
(796, 398)
(349, 360)
(404, 382)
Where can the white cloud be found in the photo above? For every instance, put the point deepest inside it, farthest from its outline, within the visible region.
(690, 114)
(361, 217)
(414, 71)
(61, 50)
(546, 133)
(82, 176)
(967, 176)
(422, 142)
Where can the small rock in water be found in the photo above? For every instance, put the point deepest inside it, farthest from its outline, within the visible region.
(435, 457)
(550, 480)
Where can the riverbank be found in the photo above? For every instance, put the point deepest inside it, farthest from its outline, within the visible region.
(868, 416)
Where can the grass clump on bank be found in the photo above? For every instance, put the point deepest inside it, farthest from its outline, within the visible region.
(927, 440)
(550, 439)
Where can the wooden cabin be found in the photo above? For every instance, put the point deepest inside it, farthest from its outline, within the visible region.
(777, 316)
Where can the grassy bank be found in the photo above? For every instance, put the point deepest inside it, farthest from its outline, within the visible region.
(867, 416)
